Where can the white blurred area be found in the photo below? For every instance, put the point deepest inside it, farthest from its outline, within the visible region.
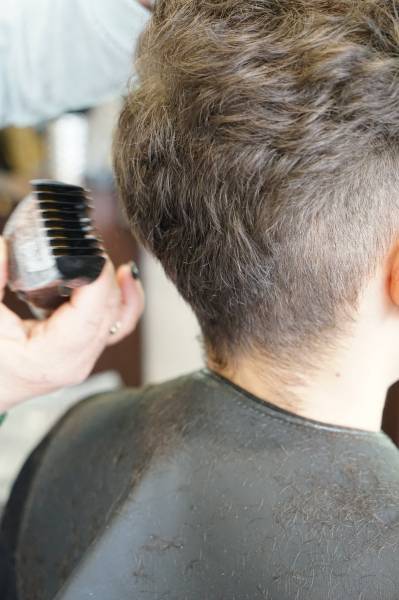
(170, 329)
(170, 332)
(67, 140)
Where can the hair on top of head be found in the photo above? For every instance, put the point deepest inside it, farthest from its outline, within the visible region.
(258, 160)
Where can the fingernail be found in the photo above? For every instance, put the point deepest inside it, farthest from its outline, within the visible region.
(134, 270)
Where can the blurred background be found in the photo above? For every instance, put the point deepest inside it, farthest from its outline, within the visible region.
(76, 148)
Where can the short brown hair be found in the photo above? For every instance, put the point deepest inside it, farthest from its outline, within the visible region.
(258, 161)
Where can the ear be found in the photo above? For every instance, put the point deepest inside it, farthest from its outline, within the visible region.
(149, 4)
(393, 287)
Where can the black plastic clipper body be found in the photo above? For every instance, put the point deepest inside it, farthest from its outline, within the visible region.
(52, 244)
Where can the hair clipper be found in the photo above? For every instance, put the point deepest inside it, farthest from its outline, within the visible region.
(52, 245)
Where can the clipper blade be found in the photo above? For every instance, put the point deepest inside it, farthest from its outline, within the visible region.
(53, 246)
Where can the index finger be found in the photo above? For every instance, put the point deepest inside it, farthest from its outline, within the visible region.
(84, 312)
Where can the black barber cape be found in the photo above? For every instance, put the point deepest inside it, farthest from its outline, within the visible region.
(196, 490)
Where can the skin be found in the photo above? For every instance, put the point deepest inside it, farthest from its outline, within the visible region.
(38, 357)
(349, 390)
(147, 4)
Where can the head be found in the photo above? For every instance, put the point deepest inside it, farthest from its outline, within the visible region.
(258, 160)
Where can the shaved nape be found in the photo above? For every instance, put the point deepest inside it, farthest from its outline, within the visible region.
(258, 161)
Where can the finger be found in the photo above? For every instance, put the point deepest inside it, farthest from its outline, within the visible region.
(74, 336)
(3, 267)
(11, 326)
(29, 326)
(84, 314)
(132, 304)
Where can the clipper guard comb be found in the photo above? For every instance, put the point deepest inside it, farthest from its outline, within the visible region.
(52, 245)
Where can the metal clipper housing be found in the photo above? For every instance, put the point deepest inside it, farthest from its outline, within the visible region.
(52, 244)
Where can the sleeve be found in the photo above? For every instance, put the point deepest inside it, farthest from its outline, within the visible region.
(59, 55)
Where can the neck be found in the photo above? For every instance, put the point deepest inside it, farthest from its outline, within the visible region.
(349, 392)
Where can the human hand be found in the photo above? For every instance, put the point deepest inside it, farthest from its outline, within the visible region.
(38, 357)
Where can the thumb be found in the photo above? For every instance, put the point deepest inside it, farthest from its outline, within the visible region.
(3, 267)
(132, 302)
